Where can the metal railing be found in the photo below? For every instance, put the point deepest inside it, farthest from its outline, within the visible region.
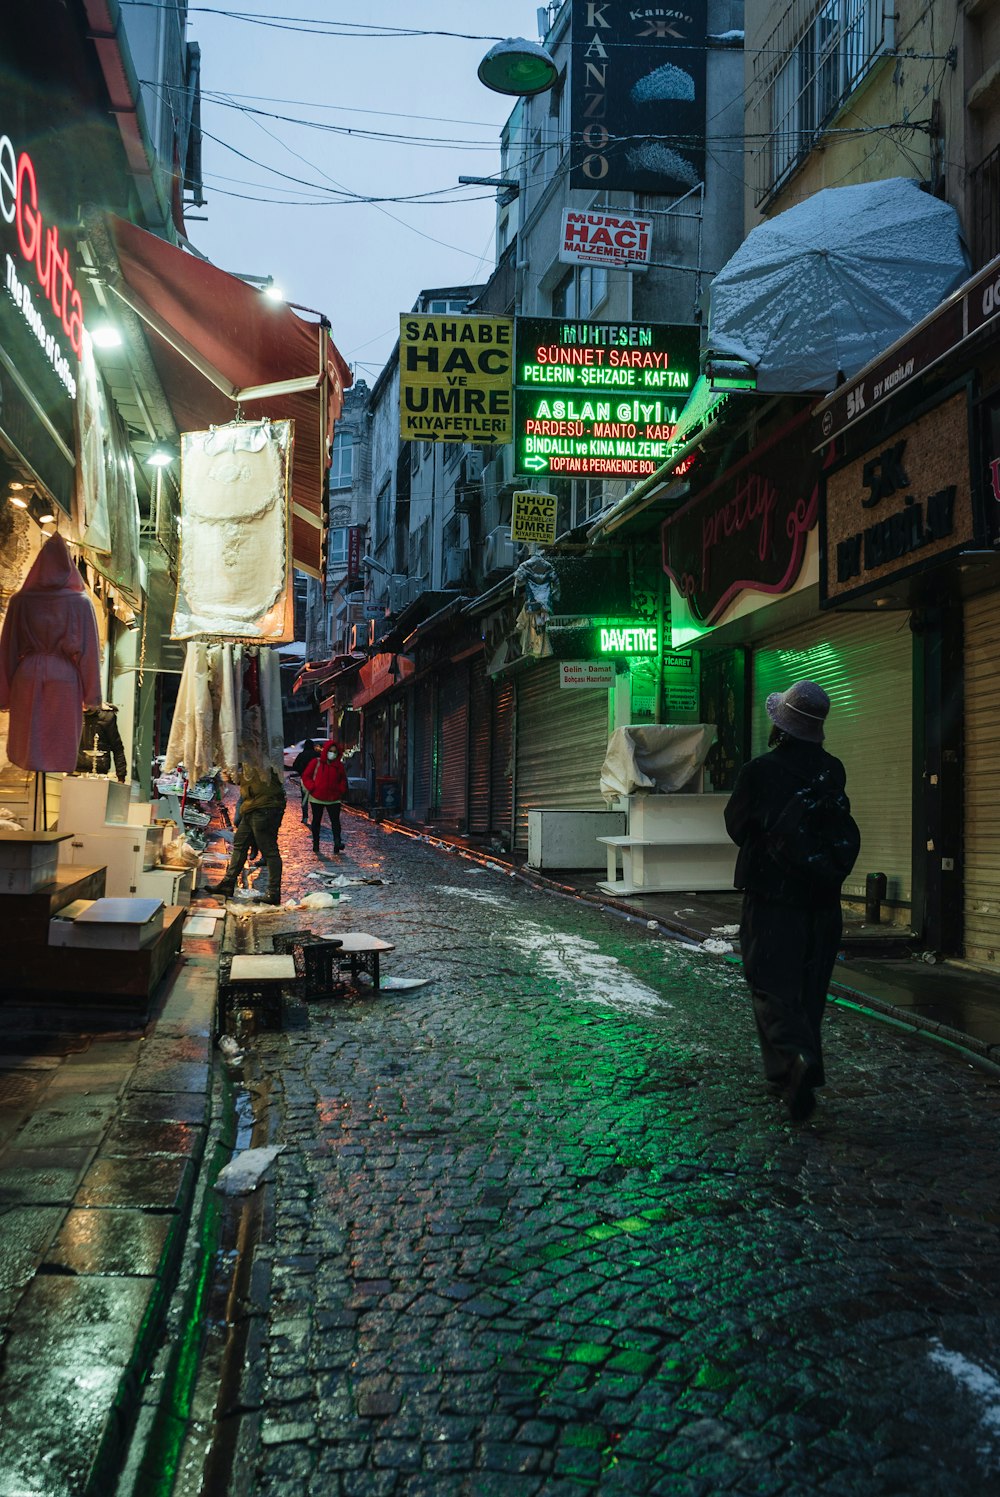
(813, 60)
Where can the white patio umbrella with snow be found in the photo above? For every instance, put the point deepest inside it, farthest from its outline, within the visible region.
(823, 287)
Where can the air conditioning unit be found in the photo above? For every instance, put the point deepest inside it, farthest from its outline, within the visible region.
(454, 565)
(358, 638)
(399, 593)
(498, 550)
(417, 585)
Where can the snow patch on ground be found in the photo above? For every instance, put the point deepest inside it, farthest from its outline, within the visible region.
(574, 960)
(981, 1382)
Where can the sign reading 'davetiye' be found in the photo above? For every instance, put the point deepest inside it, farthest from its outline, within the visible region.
(628, 639)
(455, 379)
(599, 399)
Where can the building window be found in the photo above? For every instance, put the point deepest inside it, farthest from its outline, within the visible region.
(593, 288)
(588, 498)
(564, 296)
(382, 513)
(984, 210)
(336, 551)
(815, 58)
(342, 460)
(452, 305)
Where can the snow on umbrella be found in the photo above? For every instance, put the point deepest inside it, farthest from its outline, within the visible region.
(823, 287)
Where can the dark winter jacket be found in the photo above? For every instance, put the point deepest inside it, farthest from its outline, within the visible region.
(101, 722)
(261, 790)
(305, 758)
(763, 789)
(326, 778)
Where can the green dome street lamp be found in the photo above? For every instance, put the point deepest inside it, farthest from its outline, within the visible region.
(519, 67)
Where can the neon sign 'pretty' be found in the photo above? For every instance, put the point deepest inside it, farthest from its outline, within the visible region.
(38, 241)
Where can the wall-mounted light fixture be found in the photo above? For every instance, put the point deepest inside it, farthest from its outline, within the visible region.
(160, 457)
(105, 335)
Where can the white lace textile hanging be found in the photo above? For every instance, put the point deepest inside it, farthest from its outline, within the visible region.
(234, 568)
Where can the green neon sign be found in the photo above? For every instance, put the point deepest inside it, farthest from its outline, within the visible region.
(639, 640)
(599, 399)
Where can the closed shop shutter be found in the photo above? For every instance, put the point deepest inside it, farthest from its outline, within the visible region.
(982, 779)
(562, 741)
(864, 661)
(480, 693)
(423, 746)
(454, 750)
(502, 758)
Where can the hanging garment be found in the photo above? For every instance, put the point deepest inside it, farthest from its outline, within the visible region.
(91, 467)
(193, 728)
(49, 662)
(100, 742)
(274, 724)
(234, 573)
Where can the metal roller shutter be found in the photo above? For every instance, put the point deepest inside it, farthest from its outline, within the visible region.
(982, 779)
(454, 751)
(502, 758)
(423, 743)
(562, 740)
(864, 661)
(480, 694)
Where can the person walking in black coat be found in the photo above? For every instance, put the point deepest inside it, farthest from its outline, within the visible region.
(300, 764)
(791, 925)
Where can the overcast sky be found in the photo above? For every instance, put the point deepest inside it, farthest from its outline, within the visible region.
(361, 264)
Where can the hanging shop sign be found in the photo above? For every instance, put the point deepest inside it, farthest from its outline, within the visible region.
(355, 551)
(971, 308)
(455, 379)
(235, 569)
(593, 675)
(533, 518)
(899, 507)
(637, 95)
(41, 324)
(628, 639)
(611, 239)
(599, 399)
(747, 531)
(680, 683)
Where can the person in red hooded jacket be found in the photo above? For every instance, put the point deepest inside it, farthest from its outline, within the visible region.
(326, 781)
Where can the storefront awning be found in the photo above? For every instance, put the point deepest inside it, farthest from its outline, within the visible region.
(316, 673)
(219, 345)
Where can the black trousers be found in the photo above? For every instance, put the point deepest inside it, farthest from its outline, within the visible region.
(318, 807)
(788, 958)
(260, 828)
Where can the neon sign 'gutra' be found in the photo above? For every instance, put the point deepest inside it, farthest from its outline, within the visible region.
(39, 242)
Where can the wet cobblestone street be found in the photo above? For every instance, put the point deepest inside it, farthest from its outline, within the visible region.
(538, 1228)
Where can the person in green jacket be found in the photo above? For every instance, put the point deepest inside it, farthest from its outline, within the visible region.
(263, 805)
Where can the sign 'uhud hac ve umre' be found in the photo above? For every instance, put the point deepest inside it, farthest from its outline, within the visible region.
(747, 531)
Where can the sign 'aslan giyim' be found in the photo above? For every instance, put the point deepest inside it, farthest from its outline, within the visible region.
(599, 399)
(455, 377)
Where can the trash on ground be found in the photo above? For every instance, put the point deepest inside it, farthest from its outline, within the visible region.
(652, 925)
(228, 1045)
(725, 930)
(716, 947)
(319, 899)
(244, 1173)
(396, 984)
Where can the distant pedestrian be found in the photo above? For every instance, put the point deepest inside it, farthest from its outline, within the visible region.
(300, 764)
(326, 781)
(791, 818)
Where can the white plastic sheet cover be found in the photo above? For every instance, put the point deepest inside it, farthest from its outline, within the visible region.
(825, 286)
(234, 578)
(660, 757)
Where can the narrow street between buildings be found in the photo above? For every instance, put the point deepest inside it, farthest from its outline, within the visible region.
(537, 1227)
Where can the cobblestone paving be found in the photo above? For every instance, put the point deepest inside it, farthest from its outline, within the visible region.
(537, 1227)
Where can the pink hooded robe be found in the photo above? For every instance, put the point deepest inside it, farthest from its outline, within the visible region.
(49, 662)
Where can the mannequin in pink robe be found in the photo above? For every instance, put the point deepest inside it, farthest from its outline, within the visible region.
(49, 662)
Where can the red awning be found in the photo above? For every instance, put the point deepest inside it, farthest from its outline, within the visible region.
(217, 342)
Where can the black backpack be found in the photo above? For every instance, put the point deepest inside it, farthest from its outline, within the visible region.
(814, 837)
